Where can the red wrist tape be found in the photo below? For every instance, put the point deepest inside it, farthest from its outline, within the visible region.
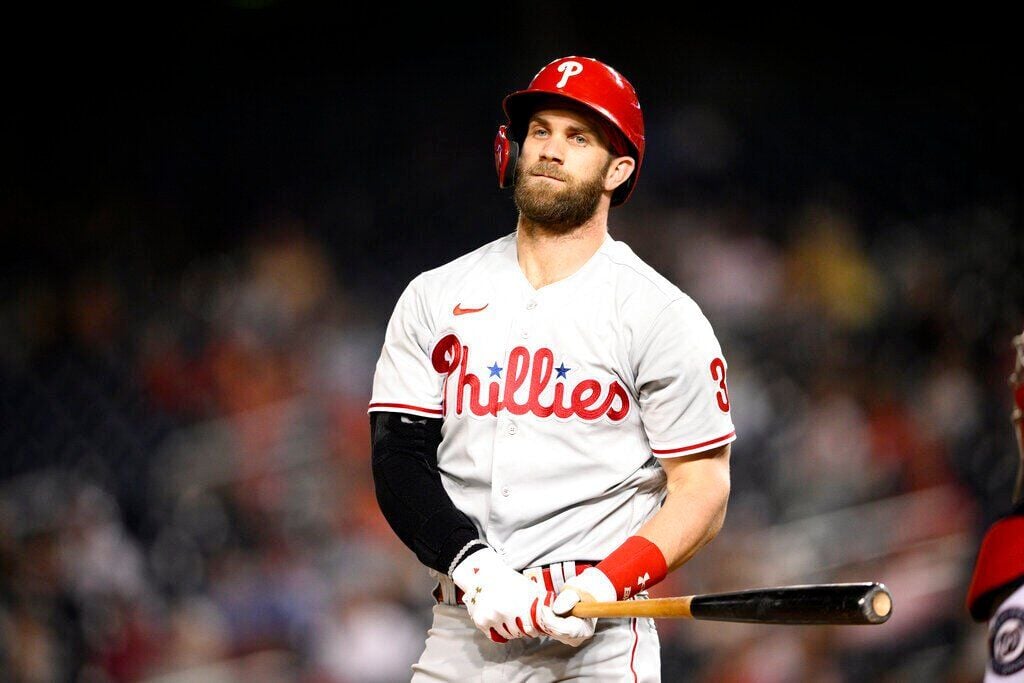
(634, 566)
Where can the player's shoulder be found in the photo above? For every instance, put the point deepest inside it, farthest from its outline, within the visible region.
(645, 295)
(476, 260)
(627, 267)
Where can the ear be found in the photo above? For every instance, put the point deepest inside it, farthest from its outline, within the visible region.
(618, 172)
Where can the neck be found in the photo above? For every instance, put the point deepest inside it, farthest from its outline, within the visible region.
(546, 257)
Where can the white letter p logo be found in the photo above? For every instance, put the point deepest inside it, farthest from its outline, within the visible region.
(568, 69)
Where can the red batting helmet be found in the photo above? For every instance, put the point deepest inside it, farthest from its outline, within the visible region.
(586, 81)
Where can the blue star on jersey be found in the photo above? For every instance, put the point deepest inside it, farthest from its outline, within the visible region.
(496, 371)
(561, 370)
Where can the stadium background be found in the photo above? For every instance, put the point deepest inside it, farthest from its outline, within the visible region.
(208, 215)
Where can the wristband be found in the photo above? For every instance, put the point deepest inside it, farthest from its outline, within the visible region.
(462, 554)
(634, 566)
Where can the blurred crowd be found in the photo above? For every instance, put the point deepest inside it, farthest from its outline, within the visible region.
(186, 492)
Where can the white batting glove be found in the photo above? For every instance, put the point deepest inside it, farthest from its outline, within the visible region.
(500, 601)
(591, 585)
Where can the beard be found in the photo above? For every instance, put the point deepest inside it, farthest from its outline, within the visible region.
(559, 210)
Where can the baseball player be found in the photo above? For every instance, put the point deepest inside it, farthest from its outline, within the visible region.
(550, 416)
(996, 593)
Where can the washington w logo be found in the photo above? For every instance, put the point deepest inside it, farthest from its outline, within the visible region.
(1007, 642)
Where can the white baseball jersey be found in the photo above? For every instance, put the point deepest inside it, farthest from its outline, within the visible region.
(1006, 641)
(556, 402)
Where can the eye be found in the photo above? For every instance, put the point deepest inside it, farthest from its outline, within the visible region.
(539, 132)
(579, 139)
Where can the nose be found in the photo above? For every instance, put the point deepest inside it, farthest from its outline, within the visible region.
(553, 149)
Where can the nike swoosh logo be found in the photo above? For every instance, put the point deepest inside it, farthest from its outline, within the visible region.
(459, 310)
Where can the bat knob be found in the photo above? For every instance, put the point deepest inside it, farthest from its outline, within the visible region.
(877, 604)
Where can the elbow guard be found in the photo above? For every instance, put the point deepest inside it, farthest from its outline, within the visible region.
(408, 486)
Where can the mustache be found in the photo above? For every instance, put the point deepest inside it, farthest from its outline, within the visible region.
(548, 169)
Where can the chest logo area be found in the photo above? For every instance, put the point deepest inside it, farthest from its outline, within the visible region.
(528, 383)
(459, 310)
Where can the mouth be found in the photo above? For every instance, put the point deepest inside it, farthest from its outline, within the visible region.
(549, 171)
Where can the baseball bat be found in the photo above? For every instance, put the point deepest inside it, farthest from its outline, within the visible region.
(828, 603)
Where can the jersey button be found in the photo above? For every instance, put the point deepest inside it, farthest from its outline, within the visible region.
(524, 334)
(512, 429)
(532, 305)
(506, 491)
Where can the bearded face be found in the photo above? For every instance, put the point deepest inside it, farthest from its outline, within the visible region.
(558, 206)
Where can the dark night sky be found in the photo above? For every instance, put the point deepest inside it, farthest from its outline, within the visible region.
(204, 122)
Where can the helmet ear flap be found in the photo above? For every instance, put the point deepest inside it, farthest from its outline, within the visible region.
(506, 155)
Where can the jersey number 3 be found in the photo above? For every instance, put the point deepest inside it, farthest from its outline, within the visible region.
(718, 374)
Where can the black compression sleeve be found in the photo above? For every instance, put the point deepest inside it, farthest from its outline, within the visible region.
(409, 489)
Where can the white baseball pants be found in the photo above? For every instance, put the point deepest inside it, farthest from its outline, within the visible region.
(622, 650)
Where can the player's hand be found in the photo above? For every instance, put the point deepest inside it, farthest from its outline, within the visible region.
(554, 617)
(500, 601)
(570, 630)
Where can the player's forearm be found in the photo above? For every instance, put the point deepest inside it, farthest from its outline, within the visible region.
(693, 513)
